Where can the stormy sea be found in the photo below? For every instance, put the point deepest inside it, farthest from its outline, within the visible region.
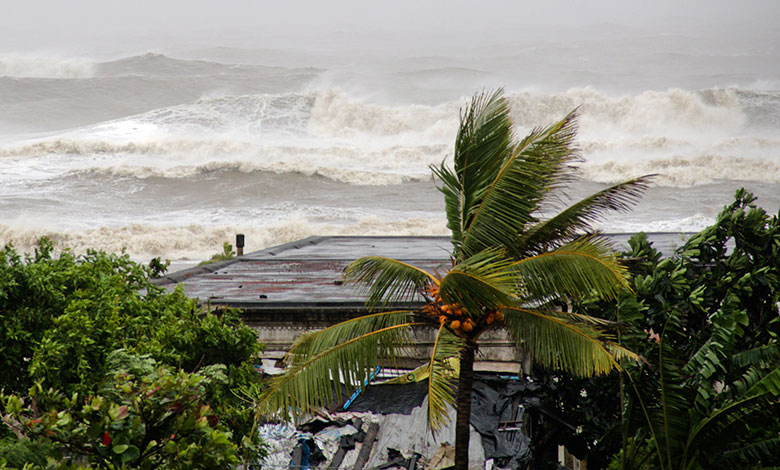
(169, 150)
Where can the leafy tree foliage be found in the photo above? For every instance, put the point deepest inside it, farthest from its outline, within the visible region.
(706, 322)
(62, 316)
(143, 416)
(708, 396)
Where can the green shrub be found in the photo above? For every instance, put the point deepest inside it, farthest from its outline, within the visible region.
(63, 316)
(143, 415)
(227, 253)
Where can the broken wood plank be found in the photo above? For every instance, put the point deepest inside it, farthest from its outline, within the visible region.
(368, 445)
(339, 457)
(398, 462)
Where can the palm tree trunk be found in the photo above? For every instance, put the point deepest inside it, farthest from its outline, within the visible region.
(465, 384)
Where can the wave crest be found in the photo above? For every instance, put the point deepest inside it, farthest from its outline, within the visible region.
(336, 113)
(42, 66)
(673, 112)
(691, 137)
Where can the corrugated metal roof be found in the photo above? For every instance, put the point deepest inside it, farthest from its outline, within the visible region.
(308, 273)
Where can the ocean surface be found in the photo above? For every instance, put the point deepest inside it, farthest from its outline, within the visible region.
(170, 151)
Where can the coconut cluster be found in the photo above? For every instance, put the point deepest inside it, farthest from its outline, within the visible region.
(455, 316)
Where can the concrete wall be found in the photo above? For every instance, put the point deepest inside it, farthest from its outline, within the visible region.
(497, 352)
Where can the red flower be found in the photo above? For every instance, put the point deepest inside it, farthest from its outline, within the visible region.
(106, 438)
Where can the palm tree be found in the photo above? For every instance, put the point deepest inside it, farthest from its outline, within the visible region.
(508, 270)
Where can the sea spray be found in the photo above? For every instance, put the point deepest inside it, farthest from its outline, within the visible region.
(198, 242)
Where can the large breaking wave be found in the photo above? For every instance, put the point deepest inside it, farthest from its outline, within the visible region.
(687, 137)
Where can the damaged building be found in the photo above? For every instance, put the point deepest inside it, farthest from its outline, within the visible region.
(290, 289)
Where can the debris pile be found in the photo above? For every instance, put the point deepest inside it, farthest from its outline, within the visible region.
(386, 428)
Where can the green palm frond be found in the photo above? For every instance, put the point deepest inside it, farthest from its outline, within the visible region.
(442, 381)
(712, 359)
(554, 149)
(484, 140)
(386, 280)
(745, 381)
(577, 218)
(761, 354)
(596, 322)
(314, 342)
(504, 206)
(453, 204)
(768, 385)
(733, 418)
(579, 268)
(554, 340)
(313, 381)
(483, 280)
(671, 415)
(745, 455)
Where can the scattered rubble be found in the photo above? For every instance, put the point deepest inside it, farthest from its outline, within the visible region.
(386, 428)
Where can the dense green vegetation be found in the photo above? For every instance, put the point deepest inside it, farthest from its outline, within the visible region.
(708, 395)
(101, 368)
(706, 323)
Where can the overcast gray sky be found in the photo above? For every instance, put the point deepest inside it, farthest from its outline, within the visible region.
(42, 23)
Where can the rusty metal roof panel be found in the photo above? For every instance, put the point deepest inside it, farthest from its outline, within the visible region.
(308, 273)
(279, 280)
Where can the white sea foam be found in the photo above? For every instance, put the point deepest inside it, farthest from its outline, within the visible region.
(45, 66)
(196, 242)
(690, 224)
(671, 113)
(686, 171)
(324, 134)
(181, 158)
(336, 114)
(687, 137)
